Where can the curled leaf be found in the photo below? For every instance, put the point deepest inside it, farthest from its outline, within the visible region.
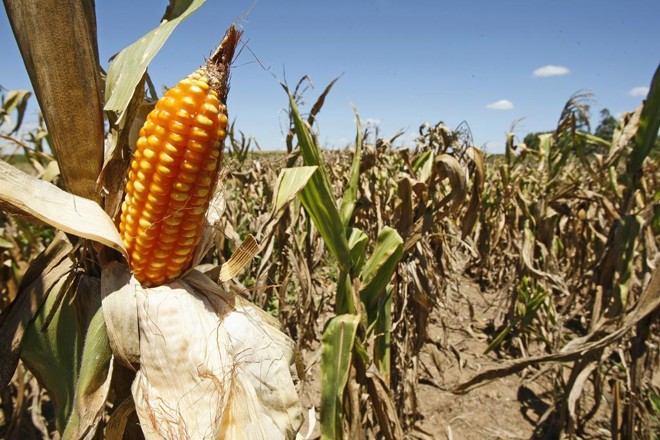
(26, 195)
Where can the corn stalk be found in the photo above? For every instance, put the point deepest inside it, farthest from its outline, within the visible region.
(79, 320)
(571, 228)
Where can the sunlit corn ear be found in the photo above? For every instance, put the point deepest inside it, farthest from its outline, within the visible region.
(174, 171)
(171, 177)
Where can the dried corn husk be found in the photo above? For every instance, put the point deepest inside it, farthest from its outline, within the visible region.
(212, 369)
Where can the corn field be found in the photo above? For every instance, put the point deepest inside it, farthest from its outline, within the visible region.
(366, 293)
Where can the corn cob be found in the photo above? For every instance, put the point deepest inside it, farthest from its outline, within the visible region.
(174, 170)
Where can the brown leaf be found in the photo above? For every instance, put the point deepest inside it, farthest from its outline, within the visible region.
(116, 424)
(44, 272)
(383, 405)
(112, 179)
(625, 131)
(240, 259)
(448, 166)
(27, 195)
(120, 313)
(58, 43)
(648, 303)
(405, 207)
(472, 212)
(578, 386)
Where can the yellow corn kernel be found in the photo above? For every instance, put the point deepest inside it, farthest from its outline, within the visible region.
(172, 176)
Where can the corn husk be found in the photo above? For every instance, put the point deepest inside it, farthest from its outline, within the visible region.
(212, 368)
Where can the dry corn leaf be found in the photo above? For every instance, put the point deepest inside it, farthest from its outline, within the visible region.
(44, 272)
(211, 228)
(406, 216)
(58, 44)
(448, 166)
(116, 424)
(117, 155)
(14, 101)
(578, 386)
(51, 172)
(240, 259)
(608, 332)
(384, 409)
(120, 313)
(26, 195)
(472, 212)
(203, 283)
(625, 131)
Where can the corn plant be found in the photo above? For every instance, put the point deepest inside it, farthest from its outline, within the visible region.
(240, 145)
(362, 305)
(580, 234)
(358, 345)
(83, 321)
(25, 405)
(442, 173)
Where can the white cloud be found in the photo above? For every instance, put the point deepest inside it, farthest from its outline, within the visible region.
(502, 104)
(551, 70)
(639, 91)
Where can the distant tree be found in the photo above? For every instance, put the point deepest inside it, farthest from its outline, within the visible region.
(532, 140)
(606, 126)
(604, 130)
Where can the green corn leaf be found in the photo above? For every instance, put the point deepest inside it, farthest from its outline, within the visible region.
(45, 272)
(16, 100)
(383, 332)
(344, 302)
(52, 354)
(361, 352)
(338, 340)
(317, 196)
(649, 123)
(94, 379)
(593, 139)
(130, 65)
(498, 339)
(629, 233)
(310, 152)
(378, 269)
(613, 181)
(423, 166)
(350, 194)
(357, 243)
(289, 183)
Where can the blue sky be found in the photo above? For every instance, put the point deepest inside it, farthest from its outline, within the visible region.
(401, 63)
